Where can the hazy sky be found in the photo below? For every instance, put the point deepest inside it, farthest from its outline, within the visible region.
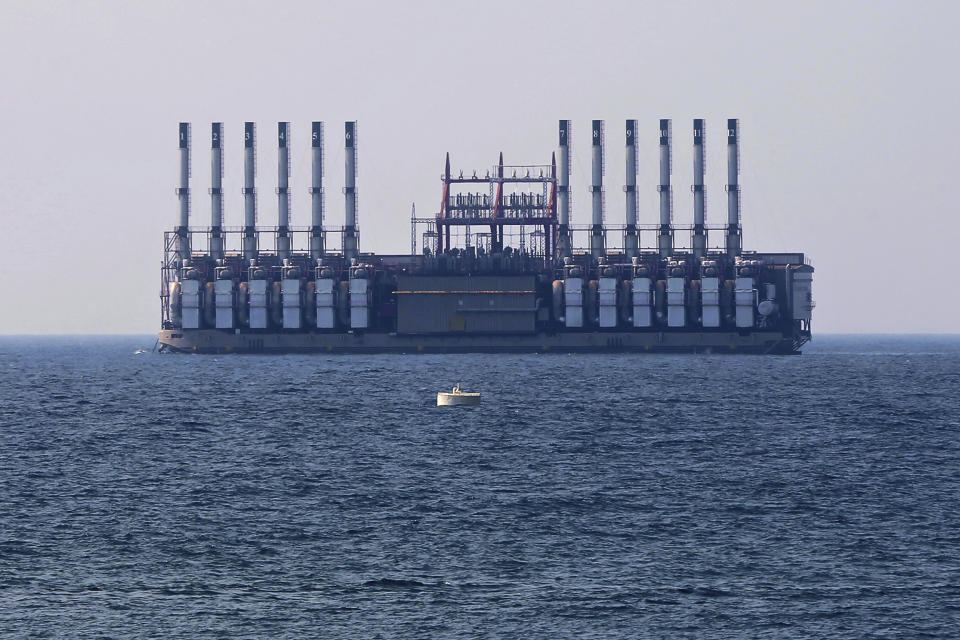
(848, 111)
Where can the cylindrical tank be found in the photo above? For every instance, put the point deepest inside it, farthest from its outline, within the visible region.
(310, 308)
(660, 301)
(592, 302)
(693, 303)
(209, 305)
(727, 301)
(557, 301)
(767, 308)
(343, 303)
(176, 303)
(623, 301)
(276, 304)
(243, 304)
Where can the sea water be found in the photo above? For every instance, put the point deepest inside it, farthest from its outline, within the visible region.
(589, 496)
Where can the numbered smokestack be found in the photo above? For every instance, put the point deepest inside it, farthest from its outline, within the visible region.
(734, 235)
(631, 244)
(216, 190)
(596, 189)
(665, 235)
(316, 192)
(699, 193)
(563, 191)
(283, 190)
(183, 194)
(350, 191)
(249, 191)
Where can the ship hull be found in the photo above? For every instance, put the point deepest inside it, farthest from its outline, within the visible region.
(214, 341)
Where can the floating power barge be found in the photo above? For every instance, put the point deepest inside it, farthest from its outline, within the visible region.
(497, 269)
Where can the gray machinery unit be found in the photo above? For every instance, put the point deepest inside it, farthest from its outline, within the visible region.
(326, 297)
(572, 290)
(502, 267)
(291, 291)
(258, 291)
(745, 294)
(641, 286)
(710, 283)
(225, 292)
(361, 296)
(607, 286)
(676, 290)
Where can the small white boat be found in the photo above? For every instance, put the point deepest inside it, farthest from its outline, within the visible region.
(457, 398)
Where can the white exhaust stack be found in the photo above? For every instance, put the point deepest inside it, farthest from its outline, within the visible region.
(734, 234)
(596, 189)
(216, 190)
(350, 191)
(665, 235)
(699, 193)
(631, 243)
(283, 190)
(183, 195)
(563, 191)
(316, 192)
(249, 191)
